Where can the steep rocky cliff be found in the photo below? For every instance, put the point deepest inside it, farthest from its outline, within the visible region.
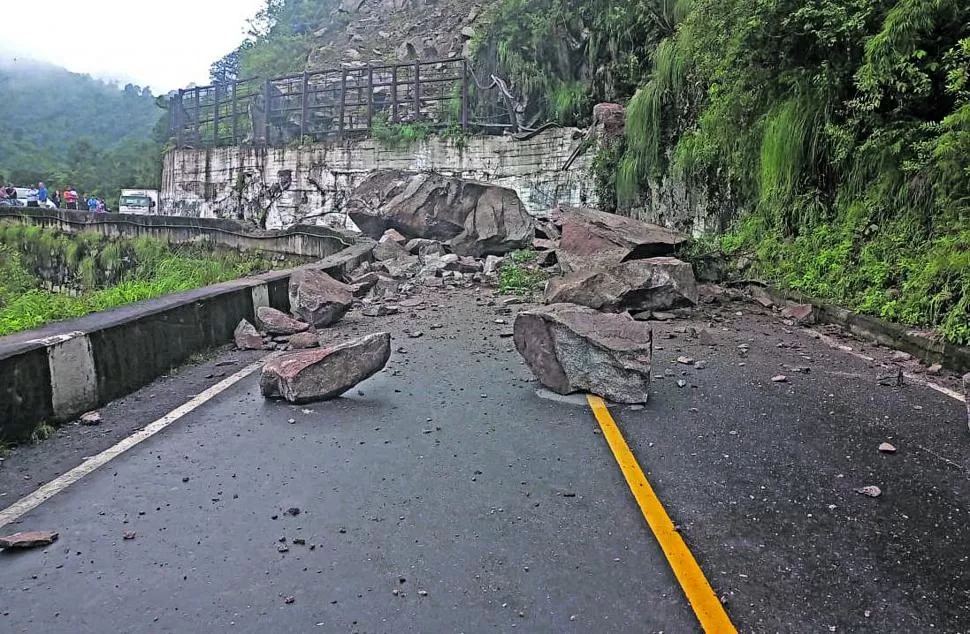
(380, 31)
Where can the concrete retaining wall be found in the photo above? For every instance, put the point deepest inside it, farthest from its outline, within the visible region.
(307, 241)
(287, 186)
(60, 371)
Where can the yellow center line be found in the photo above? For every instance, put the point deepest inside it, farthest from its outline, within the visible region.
(699, 593)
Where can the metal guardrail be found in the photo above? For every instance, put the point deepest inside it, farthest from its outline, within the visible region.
(333, 104)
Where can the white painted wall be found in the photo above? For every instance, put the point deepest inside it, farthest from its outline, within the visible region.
(304, 184)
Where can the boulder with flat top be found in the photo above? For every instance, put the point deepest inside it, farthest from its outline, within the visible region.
(318, 298)
(276, 322)
(573, 348)
(325, 373)
(595, 239)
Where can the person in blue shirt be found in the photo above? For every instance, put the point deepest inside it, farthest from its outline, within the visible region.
(92, 204)
(42, 194)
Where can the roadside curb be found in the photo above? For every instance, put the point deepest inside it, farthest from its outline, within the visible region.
(875, 330)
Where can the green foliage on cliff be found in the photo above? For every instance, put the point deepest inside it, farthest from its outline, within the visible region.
(69, 129)
(104, 273)
(839, 129)
(562, 56)
(842, 127)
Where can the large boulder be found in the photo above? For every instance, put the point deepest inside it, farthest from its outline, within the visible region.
(637, 285)
(573, 348)
(325, 373)
(592, 238)
(276, 322)
(318, 298)
(472, 218)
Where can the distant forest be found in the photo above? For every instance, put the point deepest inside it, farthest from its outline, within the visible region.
(64, 128)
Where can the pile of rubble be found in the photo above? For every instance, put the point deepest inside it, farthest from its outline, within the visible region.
(612, 275)
(429, 231)
(618, 273)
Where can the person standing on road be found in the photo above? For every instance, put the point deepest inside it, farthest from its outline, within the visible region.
(42, 194)
(92, 203)
(56, 199)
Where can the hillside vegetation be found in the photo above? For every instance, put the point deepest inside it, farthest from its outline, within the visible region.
(69, 129)
(837, 130)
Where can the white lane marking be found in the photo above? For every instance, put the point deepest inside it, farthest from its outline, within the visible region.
(832, 343)
(22, 506)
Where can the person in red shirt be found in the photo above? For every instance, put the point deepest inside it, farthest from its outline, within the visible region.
(70, 198)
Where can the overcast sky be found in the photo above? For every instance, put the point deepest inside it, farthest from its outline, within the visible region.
(165, 44)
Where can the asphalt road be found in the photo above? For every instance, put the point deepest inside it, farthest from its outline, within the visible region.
(444, 496)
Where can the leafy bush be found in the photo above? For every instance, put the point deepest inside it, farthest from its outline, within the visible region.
(519, 276)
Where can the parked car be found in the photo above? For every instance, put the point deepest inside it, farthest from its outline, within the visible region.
(25, 195)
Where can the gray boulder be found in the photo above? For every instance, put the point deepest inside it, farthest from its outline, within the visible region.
(276, 322)
(247, 337)
(389, 250)
(424, 246)
(325, 373)
(638, 285)
(492, 265)
(572, 348)
(318, 298)
(596, 239)
(472, 218)
(403, 267)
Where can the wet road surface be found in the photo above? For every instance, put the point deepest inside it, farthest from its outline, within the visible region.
(443, 495)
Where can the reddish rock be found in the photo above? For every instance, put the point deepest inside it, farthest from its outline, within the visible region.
(573, 348)
(393, 235)
(592, 238)
(304, 340)
(318, 298)
(247, 337)
(28, 539)
(800, 313)
(609, 120)
(314, 375)
(276, 322)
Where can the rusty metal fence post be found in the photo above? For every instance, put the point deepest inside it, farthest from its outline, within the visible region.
(304, 99)
(267, 106)
(370, 97)
(235, 113)
(417, 91)
(394, 94)
(464, 95)
(178, 110)
(197, 103)
(215, 114)
(343, 103)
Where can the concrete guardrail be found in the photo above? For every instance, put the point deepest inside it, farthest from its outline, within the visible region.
(56, 373)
